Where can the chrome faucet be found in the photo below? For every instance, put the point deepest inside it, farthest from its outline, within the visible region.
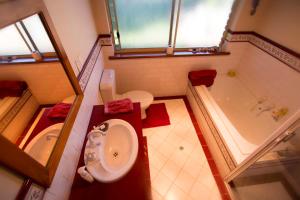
(49, 136)
(102, 127)
(265, 109)
(260, 101)
(97, 131)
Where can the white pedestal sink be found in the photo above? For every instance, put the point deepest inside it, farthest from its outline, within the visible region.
(111, 150)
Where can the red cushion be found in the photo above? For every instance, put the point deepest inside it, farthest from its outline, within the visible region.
(12, 88)
(202, 77)
(60, 111)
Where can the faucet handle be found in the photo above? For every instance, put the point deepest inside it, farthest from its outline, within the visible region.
(102, 127)
(92, 134)
(82, 171)
(262, 99)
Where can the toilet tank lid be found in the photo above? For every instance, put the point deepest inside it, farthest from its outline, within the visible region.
(107, 79)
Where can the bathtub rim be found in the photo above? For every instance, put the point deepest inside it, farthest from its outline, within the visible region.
(226, 154)
(239, 147)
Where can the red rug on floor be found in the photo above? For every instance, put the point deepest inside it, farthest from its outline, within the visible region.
(157, 115)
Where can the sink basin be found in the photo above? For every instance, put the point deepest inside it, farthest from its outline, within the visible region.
(111, 153)
(41, 146)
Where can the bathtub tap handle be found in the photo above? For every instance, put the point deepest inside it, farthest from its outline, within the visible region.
(259, 101)
(49, 136)
(102, 127)
(265, 109)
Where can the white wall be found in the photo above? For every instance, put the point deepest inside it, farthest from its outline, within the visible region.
(74, 23)
(10, 184)
(166, 76)
(17, 126)
(267, 77)
(280, 22)
(277, 20)
(100, 15)
(47, 82)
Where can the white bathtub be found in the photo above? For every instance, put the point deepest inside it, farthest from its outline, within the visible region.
(235, 114)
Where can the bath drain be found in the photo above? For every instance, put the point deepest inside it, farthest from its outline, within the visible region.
(181, 148)
(115, 154)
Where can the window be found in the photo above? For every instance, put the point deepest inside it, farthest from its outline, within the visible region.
(163, 23)
(21, 39)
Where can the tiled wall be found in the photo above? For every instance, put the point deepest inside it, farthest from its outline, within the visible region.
(61, 185)
(166, 76)
(10, 184)
(20, 121)
(268, 77)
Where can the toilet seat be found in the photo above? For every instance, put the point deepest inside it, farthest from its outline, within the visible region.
(145, 99)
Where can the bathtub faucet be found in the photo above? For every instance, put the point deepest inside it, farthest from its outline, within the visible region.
(259, 102)
(265, 109)
(49, 136)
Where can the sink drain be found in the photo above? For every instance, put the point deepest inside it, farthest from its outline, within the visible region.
(115, 154)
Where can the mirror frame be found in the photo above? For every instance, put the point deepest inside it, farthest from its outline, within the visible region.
(10, 156)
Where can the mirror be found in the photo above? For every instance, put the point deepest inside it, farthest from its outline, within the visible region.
(35, 92)
(38, 97)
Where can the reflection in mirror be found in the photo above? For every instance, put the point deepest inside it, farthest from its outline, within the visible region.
(35, 92)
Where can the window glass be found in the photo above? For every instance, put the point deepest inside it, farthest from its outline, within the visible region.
(38, 33)
(202, 22)
(11, 42)
(143, 23)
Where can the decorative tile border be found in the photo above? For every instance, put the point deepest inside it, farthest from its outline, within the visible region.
(88, 66)
(35, 192)
(283, 54)
(14, 110)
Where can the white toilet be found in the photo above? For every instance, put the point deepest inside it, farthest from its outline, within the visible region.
(108, 92)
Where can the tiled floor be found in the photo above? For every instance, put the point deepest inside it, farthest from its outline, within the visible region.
(178, 165)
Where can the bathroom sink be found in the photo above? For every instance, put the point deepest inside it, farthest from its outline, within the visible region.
(41, 146)
(111, 150)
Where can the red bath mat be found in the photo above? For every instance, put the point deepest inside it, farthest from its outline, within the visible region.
(157, 115)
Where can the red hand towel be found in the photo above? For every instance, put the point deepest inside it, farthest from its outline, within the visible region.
(118, 106)
(202, 77)
(59, 111)
(12, 88)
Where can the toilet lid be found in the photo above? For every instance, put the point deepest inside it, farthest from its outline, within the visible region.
(145, 98)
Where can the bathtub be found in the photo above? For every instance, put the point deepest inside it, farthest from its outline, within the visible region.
(241, 127)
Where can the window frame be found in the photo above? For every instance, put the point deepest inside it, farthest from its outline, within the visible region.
(119, 50)
(23, 58)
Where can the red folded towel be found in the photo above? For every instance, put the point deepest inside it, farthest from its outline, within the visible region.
(59, 111)
(12, 88)
(202, 77)
(118, 106)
